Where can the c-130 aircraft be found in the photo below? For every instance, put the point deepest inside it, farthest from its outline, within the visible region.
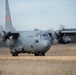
(35, 42)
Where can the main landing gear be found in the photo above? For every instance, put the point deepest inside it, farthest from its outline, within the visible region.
(39, 54)
(15, 54)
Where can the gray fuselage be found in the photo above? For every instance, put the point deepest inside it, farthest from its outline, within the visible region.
(31, 42)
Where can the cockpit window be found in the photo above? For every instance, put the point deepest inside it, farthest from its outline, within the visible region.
(37, 35)
(45, 36)
(42, 36)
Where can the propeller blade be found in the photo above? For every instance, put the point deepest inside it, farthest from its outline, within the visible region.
(62, 27)
(53, 36)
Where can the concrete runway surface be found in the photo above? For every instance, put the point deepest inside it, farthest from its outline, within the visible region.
(56, 52)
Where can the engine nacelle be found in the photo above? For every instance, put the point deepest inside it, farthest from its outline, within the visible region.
(65, 40)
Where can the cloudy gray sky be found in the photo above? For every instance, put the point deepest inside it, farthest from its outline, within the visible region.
(40, 14)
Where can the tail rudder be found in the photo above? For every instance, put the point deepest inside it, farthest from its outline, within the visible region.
(8, 22)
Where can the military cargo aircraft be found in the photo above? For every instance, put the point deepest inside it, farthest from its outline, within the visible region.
(35, 42)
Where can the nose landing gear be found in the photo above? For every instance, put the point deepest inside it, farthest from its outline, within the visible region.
(14, 52)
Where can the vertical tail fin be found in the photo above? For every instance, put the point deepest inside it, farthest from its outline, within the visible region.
(8, 22)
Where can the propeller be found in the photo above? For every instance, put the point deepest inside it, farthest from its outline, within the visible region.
(57, 37)
(62, 38)
(62, 27)
(6, 35)
(53, 36)
(1, 32)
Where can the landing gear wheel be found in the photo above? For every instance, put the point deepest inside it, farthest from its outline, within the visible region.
(39, 54)
(36, 54)
(15, 54)
(43, 54)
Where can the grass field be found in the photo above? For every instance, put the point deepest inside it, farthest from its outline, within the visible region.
(37, 67)
(59, 60)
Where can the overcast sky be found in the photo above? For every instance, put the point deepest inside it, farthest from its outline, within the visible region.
(40, 14)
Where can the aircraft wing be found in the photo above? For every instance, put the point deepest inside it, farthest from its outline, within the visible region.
(68, 32)
(62, 36)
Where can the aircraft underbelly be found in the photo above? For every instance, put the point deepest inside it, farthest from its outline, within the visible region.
(31, 47)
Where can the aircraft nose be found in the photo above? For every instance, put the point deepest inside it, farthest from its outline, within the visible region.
(47, 44)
